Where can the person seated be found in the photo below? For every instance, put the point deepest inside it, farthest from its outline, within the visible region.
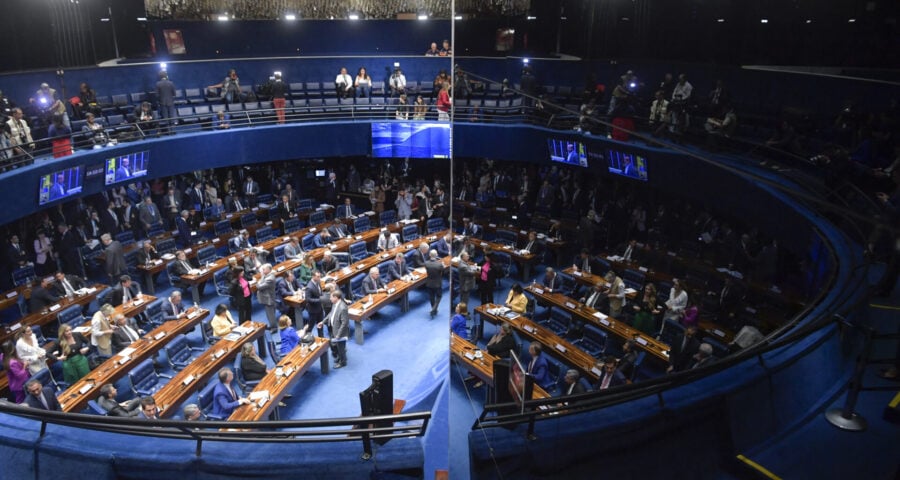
(445, 50)
(703, 357)
(516, 300)
(537, 366)
(293, 250)
(86, 102)
(289, 336)
(149, 410)
(403, 108)
(221, 121)
(306, 269)
(531, 245)
(125, 291)
(241, 241)
(724, 126)
(66, 284)
(285, 286)
(363, 83)
(458, 322)
(107, 401)
(41, 296)
(323, 238)
(125, 333)
(571, 383)
(329, 263)
(192, 413)
(610, 376)
(398, 270)
(253, 261)
(95, 130)
(659, 113)
(172, 308)
(338, 230)
(502, 342)
(594, 297)
(225, 398)
(222, 322)
(443, 245)
(144, 118)
(253, 367)
(40, 397)
(373, 283)
(343, 84)
(397, 83)
(433, 50)
(550, 281)
(387, 240)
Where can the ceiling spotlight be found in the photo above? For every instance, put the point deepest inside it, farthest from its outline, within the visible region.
(423, 16)
(530, 17)
(808, 21)
(290, 16)
(353, 16)
(852, 20)
(142, 19)
(721, 20)
(764, 20)
(222, 18)
(458, 17)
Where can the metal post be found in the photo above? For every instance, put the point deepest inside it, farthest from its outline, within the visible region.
(846, 418)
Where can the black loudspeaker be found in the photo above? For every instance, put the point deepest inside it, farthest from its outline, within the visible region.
(378, 399)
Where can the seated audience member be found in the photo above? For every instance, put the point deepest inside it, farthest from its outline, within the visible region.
(221, 121)
(322, 239)
(684, 347)
(550, 280)
(445, 50)
(658, 113)
(610, 376)
(289, 336)
(329, 263)
(458, 322)
(432, 50)
(126, 332)
(192, 413)
(403, 108)
(222, 322)
(285, 286)
(241, 241)
(537, 366)
(125, 291)
(149, 410)
(306, 269)
(41, 397)
(582, 262)
(373, 283)
(225, 398)
(95, 130)
(253, 261)
(516, 300)
(293, 251)
(253, 367)
(339, 230)
(41, 296)
(172, 308)
(397, 83)
(594, 297)
(144, 118)
(16, 372)
(363, 83)
(398, 270)
(531, 244)
(571, 384)
(500, 344)
(703, 356)
(181, 266)
(420, 108)
(724, 126)
(107, 401)
(343, 84)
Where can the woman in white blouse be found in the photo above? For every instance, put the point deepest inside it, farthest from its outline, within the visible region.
(30, 352)
(43, 259)
(363, 83)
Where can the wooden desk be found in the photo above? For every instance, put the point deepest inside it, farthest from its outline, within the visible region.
(654, 348)
(76, 397)
(524, 260)
(10, 298)
(277, 386)
(483, 367)
(590, 279)
(187, 381)
(555, 345)
(345, 274)
(46, 316)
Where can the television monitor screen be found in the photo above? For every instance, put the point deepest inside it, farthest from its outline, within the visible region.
(126, 167)
(61, 184)
(627, 165)
(568, 152)
(410, 140)
(520, 382)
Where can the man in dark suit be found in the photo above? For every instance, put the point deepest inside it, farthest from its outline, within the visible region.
(109, 220)
(40, 397)
(115, 257)
(572, 386)
(442, 245)
(338, 230)
(285, 210)
(124, 291)
(420, 256)
(107, 401)
(397, 269)
(331, 189)
(184, 229)
(291, 194)
(329, 263)
(434, 282)
(470, 229)
(550, 281)
(531, 243)
(537, 367)
(241, 241)
(172, 205)
(172, 307)
(126, 333)
(67, 246)
(314, 306)
(284, 287)
(345, 210)
(165, 95)
(338, 329)
(196, 194)
(373, 283)
(610, 376)
(15, 253)
(66, 284)
(41, 297)
(181, 266)
(250, 189)
(684, 347)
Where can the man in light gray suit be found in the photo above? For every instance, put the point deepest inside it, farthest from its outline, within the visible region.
(265, 294)
(115, 257)
(338, 328)
(434, 268)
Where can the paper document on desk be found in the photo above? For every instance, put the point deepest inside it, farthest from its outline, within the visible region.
(354, 311)
(242, 330)
(232, 337)
(419, 270)
(126, 352)
(82, 330)
(254, 396)
(630, 291)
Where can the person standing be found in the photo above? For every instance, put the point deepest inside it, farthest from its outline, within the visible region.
(314, 308)
(443, 103)
(434, 268)
(165, 95)
(338, 329)
(265, 294)
(278, 89)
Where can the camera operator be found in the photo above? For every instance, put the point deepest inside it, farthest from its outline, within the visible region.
(49, 104)
(6, 107)
(19, 133)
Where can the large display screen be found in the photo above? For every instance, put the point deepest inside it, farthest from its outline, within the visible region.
(568, 152)
(61, 184)
(627, 165)
(410, 140)
(126, 167)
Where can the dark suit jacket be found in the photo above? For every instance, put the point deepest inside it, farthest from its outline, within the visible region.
(49, 396)
(338, 230)
(396, 271)
(165, 92)
(169, 311)
(680, 358)
(340, 325)
(370, 286)
(314, 301)
(120, 339)
(616, 380)
(118, 294)
(75, 281)
(113, 409)
(435, 271)
(329, 266)
(184, 231)
(40, 298)
(16, 256)
(281, 291)
(108, 223)
(418, 259)
(252, 370)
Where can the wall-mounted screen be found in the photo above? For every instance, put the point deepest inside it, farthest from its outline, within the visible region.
(627, 165)
(61, 184)
(126, 167)
(568, 152)
(410, 140)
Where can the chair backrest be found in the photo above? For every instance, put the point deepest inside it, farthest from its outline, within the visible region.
(173, 277)
(356, 289)
(223, 227)
(561, 316)
(507, 237)
(387, 217)
(248, 219)
(126, 237)
(205, 397)
(316, 218)
(206, 255)
(291, 225)
(266, 198)
(143, 377)
(308, 242)
(502, 261)
(154, 311)
(409, 232)
(264, 234)
(278, 253)
(435, 225)
(43, 376)
(178, 350)
(131, 260)
(71, 316)
(95, 408)
(221, 285)
(305, 204)
(361, 224)
(358, 251)
(637, 277)
(103, 296)
(23, 275)
(166, 246)
(273, 351)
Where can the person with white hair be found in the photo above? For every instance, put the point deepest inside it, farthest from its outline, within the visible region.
(434, 268)
(265, 294)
